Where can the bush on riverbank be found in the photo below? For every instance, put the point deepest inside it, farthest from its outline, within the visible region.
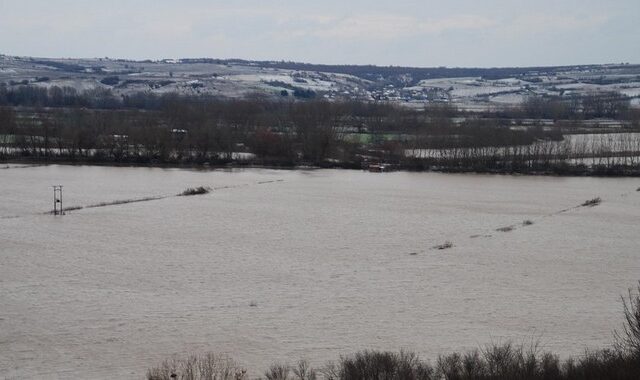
(493, 362)
(592, 202)
(200, 190)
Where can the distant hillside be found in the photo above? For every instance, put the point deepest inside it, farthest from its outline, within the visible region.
(372, 72)
(468, 88)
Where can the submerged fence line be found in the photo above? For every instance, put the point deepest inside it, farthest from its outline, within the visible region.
(200, 190)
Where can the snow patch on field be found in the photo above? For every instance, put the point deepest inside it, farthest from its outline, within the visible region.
(509, 99)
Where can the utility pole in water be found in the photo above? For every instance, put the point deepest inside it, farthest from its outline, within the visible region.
(57, 200)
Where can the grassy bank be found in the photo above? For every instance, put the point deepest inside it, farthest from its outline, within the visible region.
(408, 165)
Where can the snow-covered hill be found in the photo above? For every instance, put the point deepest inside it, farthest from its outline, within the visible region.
(235, 78)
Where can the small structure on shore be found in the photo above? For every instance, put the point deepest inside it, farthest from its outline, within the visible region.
(57, 200)
(379, 168)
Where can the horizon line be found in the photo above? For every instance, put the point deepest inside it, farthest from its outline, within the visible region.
(281, 61)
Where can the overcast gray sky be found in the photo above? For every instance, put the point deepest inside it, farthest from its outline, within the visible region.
(413, 33)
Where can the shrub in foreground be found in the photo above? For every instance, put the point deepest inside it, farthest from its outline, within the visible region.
(209, 366)
(380, 365)
(494, 362)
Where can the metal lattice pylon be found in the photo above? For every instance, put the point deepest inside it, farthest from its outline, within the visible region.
(57, 200)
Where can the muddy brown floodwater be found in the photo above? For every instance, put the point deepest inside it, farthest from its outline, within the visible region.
(281, 265)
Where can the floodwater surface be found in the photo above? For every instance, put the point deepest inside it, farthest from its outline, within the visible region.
(282, 265)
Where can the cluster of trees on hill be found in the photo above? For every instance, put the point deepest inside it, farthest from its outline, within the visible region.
(69, 97)
(598, 105)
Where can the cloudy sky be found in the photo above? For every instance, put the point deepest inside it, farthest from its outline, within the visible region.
(480, 33)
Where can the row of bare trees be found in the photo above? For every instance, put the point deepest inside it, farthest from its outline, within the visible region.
(199, 130)
(181, 131)
(605, 151)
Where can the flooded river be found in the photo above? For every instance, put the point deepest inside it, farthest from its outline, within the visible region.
(281, 265)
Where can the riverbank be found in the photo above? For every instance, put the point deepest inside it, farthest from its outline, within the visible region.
(416, 165)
